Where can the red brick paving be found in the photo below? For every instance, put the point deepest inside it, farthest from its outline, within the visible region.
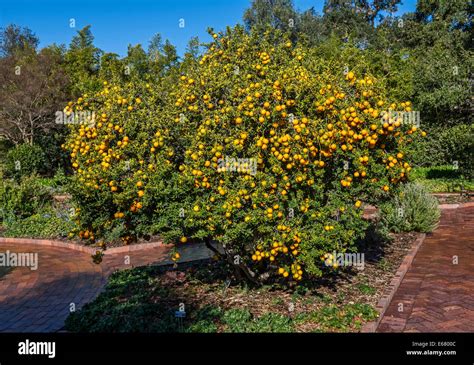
(435, 294)
(39, 300)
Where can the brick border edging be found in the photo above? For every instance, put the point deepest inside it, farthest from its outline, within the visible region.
(81, 248)
(456, 205)
(387, 297)
(46, 242)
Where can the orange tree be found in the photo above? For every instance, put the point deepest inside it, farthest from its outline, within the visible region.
(260, 146)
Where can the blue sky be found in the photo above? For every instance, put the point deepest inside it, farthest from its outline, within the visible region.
(117, 23)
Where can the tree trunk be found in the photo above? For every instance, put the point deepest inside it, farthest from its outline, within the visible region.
(242, 272)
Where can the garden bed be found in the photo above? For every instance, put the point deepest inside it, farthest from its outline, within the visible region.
(146, 299)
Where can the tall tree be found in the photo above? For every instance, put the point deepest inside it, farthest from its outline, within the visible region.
(369, 11)
(155, 47)
(111, 67)
(14, 39)
(279, 14)
(136, 62)
(356, 18)
(311, 25)
(170, 55)
(162, 56)
(192, 48)
(83, 61)
(32, 89)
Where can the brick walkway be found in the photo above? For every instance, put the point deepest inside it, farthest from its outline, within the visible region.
(40, 300)
(435, 294)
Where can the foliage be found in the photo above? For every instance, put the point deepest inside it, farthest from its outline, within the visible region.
(33, 89)
(15, 39)
(437, 39)
(279, 14)
(82, 62)
(55, 157)
(47, 223)
(413, 209)
(241, 320)
(318, 138)
(429, 151)
(445, 146)
(335, 319)
(343, 18)
(59, 180)
(24, 160)
(459, 146)
(367, 289)
(21, 200)
(441, 179)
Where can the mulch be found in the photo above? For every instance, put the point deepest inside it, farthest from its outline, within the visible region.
(189, 285)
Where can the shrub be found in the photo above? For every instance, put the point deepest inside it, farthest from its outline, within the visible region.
(441, 179)
(445, 146)
(413, 209)
(260, 146)
(45, 224)
(5, 146)
(55, 158)
(428, 151)
(459, 146)
(59, 180)
(21, 200)
(57, 183)
(25, 160)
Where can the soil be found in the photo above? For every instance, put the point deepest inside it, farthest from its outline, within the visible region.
(199, 287)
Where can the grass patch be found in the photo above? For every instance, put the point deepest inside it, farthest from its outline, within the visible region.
(239, 320)
(441, 179)
(333, 318)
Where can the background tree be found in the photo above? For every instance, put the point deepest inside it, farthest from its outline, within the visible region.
(278, 14)
(311, 26)
(356, 18)
(136, 61)
(14, 39)
(83, 62)
(192, 48)
(161, 56)
(33, 88)
(111, 67)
